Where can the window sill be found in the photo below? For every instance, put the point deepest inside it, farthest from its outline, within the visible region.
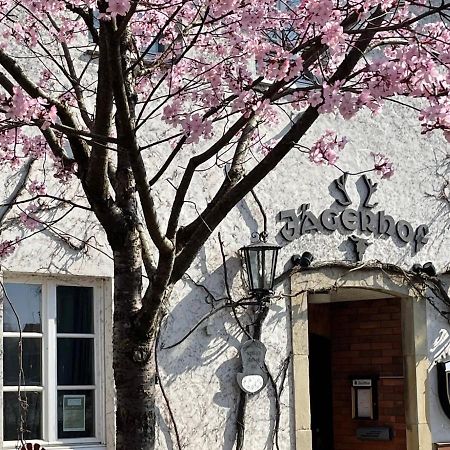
(59, 445)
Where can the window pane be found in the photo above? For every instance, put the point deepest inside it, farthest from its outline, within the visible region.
(75, 414)
(26, 299)
(74, 309)
(31, 361)
(11, 417)
(75, 361)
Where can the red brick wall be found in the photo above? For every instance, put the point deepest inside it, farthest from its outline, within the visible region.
(366, 340)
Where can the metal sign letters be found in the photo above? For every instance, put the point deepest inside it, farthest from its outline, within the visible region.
(345, 220)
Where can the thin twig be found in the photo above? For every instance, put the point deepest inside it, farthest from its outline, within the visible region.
(23, 405)
(263, 213)
(163, 392)
(228, 290)
(197, 325)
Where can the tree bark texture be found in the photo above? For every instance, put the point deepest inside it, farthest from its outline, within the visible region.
(134, 369)
(117, 195)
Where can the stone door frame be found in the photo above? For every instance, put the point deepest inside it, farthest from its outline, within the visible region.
(326, 280)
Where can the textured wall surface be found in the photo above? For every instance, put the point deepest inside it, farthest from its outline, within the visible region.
(439, 345)
(199, 375)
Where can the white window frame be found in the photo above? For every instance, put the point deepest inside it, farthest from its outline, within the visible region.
(301, 81)
(156, 49)
(102, 322)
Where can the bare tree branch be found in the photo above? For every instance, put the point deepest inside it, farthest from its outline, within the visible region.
(12, 199)
(213, 215)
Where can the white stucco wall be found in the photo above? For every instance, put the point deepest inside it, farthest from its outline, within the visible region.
(199, 375)
(438, 343)
(206, 360)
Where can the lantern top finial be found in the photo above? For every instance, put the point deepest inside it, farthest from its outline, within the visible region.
(261, 237)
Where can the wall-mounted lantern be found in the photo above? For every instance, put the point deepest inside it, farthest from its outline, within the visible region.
(260, 264)
(260, 259)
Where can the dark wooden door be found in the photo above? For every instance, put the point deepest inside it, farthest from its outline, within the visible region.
(320, 388)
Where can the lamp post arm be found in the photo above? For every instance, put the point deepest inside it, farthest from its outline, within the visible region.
(264, 235)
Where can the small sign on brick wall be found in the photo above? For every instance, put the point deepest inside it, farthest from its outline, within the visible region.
(374, 433)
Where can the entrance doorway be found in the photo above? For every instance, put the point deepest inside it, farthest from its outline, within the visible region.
(356, 340)
(320, 383)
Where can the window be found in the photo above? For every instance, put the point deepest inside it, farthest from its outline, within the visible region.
(151, 52)
(61, 369)
(286, 38)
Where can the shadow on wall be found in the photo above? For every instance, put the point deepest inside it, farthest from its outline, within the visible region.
(164, 427)
(210, 340)
(199, 373)
(211, 351)
(215, 336)
(201, 369)
(437, 197)
(60, 250)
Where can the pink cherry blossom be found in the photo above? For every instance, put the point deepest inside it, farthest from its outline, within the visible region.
(382, 165)
(37, 187)
(118, 7)
(7, 248)
(325, 149)
(20, 104)
(213, 64)
(28, 218)
(333, 35)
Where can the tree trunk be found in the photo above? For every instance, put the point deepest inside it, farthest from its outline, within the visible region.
(133, 361)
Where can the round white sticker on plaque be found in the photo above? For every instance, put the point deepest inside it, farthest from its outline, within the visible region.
(252, 383)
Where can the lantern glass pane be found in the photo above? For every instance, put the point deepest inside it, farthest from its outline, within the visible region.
(274, 265)
(269, 254)
(255, 268)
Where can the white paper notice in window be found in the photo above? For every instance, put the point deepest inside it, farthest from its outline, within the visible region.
(74, 416)
(364, 404)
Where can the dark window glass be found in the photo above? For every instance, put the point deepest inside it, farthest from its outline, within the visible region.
(74, 309)
(76, 414)
(31, 361)
(26, 299)
(32, 415)
(75, 361)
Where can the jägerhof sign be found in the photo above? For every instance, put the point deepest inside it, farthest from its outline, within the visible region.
(345, 219)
